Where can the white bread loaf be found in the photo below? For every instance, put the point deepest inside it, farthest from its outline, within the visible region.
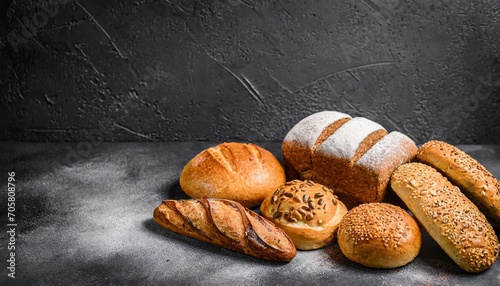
(353, 156)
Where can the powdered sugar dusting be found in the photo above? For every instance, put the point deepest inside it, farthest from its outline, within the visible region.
(310, 128)
(390, 146)
(346, 140)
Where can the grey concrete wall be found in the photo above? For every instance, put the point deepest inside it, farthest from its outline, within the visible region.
(247, 70)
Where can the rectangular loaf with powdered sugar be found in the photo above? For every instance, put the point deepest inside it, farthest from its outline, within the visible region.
(354, 156)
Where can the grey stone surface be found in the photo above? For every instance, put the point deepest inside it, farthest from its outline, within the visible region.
(84, 216)
(180, 70)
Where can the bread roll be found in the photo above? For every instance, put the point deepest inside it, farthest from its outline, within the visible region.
(308, 212)
(226, 224)
(451, 219)
(353, 156)
(379, 235)
(242, 172)
(477, 183)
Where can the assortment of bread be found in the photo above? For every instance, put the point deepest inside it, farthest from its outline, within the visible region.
(308, 212)
(337, 171)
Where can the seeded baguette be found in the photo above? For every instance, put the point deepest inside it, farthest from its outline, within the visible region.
(449, 217)
(474, 180)
(226, 224)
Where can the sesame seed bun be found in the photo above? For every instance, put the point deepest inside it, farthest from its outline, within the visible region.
(308, 212)
(379, 235)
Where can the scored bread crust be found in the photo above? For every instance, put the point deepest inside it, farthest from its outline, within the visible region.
(475, 181)
(302, 140)
(242, 172)
(353, 156)
(379, 235)
(449, 217)
(308, 212)
(226, 224)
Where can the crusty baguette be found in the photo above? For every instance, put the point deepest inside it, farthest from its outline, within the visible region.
(226, 224)
(451, 219)
(477, 183)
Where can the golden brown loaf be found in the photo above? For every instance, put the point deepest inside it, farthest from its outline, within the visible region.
(477, 183)
(379, 235)
(242, 172)
(353, 156)
(226, 224)
(451, 219)
(308, 212)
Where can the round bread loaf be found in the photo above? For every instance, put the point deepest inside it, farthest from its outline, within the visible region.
(379, 235)
(449, 217)
(308, 212)
(242, 172)
(473, 179)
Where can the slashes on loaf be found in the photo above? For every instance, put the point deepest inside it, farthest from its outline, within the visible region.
(353, 156)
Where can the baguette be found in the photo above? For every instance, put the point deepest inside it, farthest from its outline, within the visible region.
(474, 180)
(226, 224)
(451, 219)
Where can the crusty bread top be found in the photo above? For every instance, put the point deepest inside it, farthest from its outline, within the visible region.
(384, 149)
(357, 140)
(346, 140)
(227, 155)
(308, 130)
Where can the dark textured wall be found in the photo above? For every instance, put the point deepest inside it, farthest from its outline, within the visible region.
(154, 70)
